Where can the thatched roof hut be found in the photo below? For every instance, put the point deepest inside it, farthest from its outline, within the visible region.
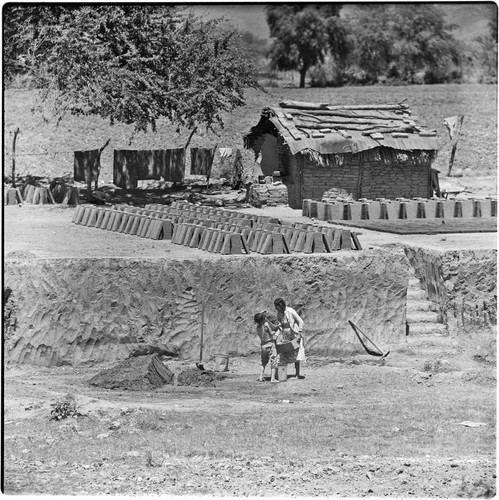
(370, 151)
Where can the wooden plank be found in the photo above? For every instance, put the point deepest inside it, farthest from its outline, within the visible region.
(330, 107)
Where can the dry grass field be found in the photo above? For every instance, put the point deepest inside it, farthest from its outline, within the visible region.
(45, 149)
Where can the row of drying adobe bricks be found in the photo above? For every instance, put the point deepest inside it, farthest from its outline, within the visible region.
(39, 195)
(418, 208)
(146, 223)
(264, 235)
(125, 219)
(269, 240)
(224, 235)
(202, 211)
(149, 222)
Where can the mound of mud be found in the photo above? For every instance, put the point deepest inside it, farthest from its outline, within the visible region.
(198, 378)
(141, 373)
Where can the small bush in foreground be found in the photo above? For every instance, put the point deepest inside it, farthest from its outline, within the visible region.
(64, 408)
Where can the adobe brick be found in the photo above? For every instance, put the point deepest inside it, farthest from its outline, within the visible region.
(117, 220)
(124, 222)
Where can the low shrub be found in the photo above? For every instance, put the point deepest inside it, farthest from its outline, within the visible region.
(64, 408)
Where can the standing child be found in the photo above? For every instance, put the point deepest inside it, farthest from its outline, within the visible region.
(291, 326)
(268, 350)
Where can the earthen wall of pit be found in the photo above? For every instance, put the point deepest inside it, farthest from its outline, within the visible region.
(462, 284)
(73, 311)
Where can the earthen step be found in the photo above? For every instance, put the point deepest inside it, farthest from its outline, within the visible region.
(428, 341)
(427, 328)
(414, 283)
(415, 294)
(420, 305)
(414, 317)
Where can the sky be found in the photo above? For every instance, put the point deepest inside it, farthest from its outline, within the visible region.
(470, 17)
(248, 17)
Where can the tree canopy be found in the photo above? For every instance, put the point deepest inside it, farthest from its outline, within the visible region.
(408, 43)
(302, 35)
(133, 64)
(401, 41)
(422, 41)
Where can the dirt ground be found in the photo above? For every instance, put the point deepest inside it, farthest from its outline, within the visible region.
(46, 231)
(463, 387)
(333, 389)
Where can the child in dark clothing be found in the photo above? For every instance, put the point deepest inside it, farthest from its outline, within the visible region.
(266, 334)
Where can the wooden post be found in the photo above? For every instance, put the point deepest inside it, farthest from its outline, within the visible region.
(88, 177)
(98, 162)
(201, 340)
(89, 171)
(14, 157)
(454, 146)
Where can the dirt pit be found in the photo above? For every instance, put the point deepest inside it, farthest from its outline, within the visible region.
(351, 428)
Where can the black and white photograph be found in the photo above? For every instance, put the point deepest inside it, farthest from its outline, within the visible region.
(249, 249)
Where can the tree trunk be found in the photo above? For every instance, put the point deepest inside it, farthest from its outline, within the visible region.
(14, 157)
(303, 72)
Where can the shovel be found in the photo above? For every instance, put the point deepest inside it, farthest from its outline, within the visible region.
(199, 364)
(360, 334)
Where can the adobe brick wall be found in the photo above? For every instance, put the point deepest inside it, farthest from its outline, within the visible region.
(364, 175)
(92, 310)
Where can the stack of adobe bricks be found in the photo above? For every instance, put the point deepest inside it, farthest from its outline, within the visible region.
(12, 196)
(401, 208)
(37, 195)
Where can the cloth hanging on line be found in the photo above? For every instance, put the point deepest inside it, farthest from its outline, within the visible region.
(201, 161)
(86, 165)
(454, 124)
(132, 165)
(150, 164)
(125, 168)
(225, 152)
(173, 168)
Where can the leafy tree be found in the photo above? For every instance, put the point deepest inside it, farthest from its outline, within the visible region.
(421, 41)
(401, 40)
(486, 51)
(133, 64)
(371, 40)
(302, 35)
(26, 35)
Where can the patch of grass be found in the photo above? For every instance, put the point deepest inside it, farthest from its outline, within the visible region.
(381, 413)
